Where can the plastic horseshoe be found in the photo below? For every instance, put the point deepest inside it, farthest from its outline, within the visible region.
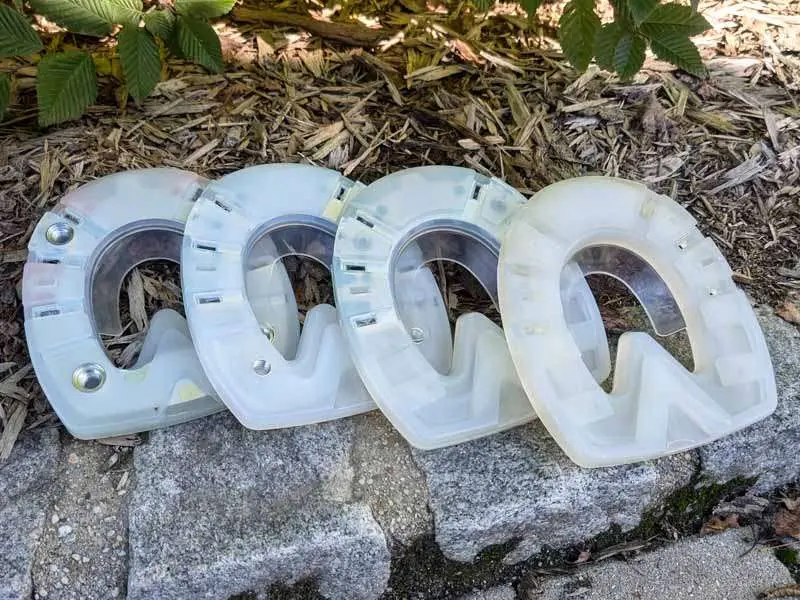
(651, 244)
(237, 235)
(444, 213)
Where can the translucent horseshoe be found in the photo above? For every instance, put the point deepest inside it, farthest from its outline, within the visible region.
(78, 256)
(651, 243)
(444, 213)
(239, 230)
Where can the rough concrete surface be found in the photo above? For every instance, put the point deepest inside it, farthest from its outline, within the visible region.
(520, 485)
(702, 568)
(219, 510)
(388, 479)
(767, 450)
(26, 481)
(503, 592)
(84, 549)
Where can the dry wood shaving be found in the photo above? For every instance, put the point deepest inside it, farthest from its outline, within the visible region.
(441, 86)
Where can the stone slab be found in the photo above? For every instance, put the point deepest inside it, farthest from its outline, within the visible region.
(718, 566)
(768, 450)
(26, 483)
(502, 592)
(520, 485)
(220, 510)
(84, 549)
(388, 479)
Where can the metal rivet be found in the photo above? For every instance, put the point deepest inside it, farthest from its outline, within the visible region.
(417, 335)
(261, 367)
(60, 234)
(89, 377)
(269, 331)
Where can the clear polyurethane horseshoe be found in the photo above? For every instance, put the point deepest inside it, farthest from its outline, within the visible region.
(237, 235)
(78, 256)
(649, 242)
(444, 213)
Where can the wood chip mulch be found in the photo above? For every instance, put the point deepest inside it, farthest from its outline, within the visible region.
(727, 148)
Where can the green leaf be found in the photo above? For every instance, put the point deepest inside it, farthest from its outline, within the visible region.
(674, 18)
(66, 85)
(5, 93)
(483, 4)
(622, 13)
(89, 17)
(641, 9)
(620, 50)
(680, 51)
(531, 6)
(629, 54)
(203, 9)
(605, 48)
(199, 43)
(160, 23)
(140, 60)
(578, 27)
(17, 37)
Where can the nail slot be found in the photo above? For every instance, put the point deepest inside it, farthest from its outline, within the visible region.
(364, 221)
(222, 205)
(365, 321)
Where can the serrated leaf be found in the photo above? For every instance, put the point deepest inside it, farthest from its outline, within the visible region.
(66, 85)
(5, 93)
(141, 62)
(203, 9)
(629, 54)
(641, 9)
(531, 6)
(619, 50)
(578, 27)
(622, 13)
(676, 18)
(605, 48)
(89, 17)
(160, 23)
(17, 37)
(680, 51)
(483, 4)
(199, 43)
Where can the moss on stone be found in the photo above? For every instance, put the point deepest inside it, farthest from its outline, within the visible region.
(422, 570)
(791, 558)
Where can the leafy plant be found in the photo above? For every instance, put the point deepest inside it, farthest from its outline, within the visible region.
(66, 82)
(620, 46)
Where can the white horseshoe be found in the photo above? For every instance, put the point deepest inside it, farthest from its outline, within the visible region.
(224, 259)
(656, 407)
(78, 256)
(480, 394)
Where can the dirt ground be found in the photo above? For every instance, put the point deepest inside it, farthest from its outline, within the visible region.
(431, 85)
